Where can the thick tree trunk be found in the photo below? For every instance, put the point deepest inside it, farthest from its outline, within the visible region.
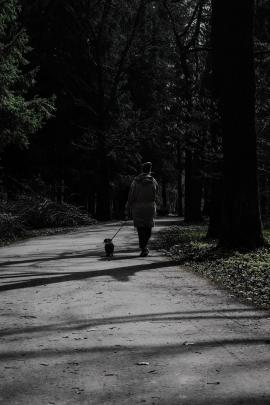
(193, 188)
(233, 65)
(214, 227)
(206, 197)
(179, 181)
(216, 188)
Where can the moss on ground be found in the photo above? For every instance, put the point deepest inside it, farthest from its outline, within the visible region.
(245, 274)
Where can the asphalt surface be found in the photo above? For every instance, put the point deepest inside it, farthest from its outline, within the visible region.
(77, 328)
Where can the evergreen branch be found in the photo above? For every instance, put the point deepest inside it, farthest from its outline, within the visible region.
(6, 47)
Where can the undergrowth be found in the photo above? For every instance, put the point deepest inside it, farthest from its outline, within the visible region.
(21, 217)
(245, 274)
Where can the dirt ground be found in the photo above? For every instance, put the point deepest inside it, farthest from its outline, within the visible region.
(77, 328)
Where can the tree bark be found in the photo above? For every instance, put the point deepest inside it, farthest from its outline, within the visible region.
(103, 207)
(164, 196)
(179, 181)
(233, 67)
(193, 188)
(214, 227)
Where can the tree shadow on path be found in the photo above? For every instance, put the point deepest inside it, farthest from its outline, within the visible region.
(119, 273)
(63, 256)
(81, 325)
(160, 350)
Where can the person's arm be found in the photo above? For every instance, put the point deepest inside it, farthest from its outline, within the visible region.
(156, 190)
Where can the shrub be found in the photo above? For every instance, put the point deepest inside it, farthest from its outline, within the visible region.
(48, 214)
(19, 217)
(10, 227)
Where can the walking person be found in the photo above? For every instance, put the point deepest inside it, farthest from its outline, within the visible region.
(142, 205)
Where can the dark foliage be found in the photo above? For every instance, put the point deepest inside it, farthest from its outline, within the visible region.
(19, 217)
(124, 82)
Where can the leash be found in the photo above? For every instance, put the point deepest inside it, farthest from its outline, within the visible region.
(119, 228)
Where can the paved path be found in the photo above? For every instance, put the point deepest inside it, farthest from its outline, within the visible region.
(79, 329)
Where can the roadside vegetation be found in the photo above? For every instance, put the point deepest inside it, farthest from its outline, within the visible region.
(245, 274)
(31, 216)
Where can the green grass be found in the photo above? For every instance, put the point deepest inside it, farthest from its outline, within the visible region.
(245, 274)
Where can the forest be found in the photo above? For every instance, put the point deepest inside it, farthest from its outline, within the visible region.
(90, 89)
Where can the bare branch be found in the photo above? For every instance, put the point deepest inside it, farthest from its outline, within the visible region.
(124, 54)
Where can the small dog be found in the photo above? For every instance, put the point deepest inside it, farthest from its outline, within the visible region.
(109, 247)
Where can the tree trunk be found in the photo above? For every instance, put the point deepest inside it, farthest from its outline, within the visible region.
(193, 188)
(103, 209)
(179, 181)
(214, 227)
(233, 66)
(206, 198)
(216, 191)
(179, 195)
(164, 196)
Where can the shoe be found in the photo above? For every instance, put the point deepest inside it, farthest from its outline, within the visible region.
(144, 252)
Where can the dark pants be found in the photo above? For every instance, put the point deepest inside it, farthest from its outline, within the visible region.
(144, 233)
